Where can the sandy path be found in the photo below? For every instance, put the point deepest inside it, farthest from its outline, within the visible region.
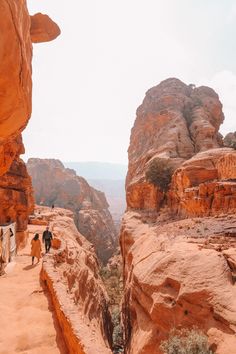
(27, 324)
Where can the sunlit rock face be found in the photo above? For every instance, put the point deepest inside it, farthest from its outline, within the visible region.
(16, 29)
(71, 275)
(178, 245)
(55, 184)
(16, 195)
(205, 185)
(174, 122)
(43, 29)
(15, 69)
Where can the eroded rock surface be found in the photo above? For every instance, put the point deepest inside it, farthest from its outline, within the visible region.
(178, 243)
(174, 122)
(206, 184)
(71, 275)
(43, 29)
(16, 196)
(54, 184)
(17, 33)
(178, 274)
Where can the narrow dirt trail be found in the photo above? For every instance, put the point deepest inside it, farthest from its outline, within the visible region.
(27, 322)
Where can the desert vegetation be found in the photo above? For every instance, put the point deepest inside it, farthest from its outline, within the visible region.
(186, 341)
(112, 278)
(159, 173)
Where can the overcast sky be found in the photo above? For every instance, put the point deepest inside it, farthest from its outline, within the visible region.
(89, 82)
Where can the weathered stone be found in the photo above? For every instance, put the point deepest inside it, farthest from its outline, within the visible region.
(71, 275)
(16, 29)
(43, 29)
(179, 273)
(55, 185)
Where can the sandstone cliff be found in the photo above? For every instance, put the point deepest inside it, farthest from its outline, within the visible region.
(174, 122)
(178, 234)
(18, 31)
(71, 274)
(54, 184)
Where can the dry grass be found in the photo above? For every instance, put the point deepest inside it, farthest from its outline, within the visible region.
(186, 342)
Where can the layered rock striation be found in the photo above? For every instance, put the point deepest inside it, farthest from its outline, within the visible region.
(205, 184)
(174, 122)
(178, 274)
(56, 185)
(18, 31)
(71, 275)
(178, 236)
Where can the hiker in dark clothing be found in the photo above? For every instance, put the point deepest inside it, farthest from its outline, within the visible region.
(47, 238)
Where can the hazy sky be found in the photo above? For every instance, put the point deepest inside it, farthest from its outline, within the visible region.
(89, 82)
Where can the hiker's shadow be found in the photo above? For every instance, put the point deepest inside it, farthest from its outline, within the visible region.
(31, 266)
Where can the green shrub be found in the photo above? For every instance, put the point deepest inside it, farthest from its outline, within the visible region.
(186, 342)
(117, 331)
(159, 173)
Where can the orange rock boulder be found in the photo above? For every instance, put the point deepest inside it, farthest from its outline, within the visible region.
(43, 29)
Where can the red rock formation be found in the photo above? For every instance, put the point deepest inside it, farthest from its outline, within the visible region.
(16, 55)
(179, 273)
(16, 197)
(205, 184)
(71, 275)
(174, 122)
(43, 29)
(16, 29)
(54, 184)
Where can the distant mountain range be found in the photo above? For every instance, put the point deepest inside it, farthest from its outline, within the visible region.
(98, 170)
(108, 178)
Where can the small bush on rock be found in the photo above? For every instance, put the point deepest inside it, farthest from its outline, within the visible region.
(186, 342)
(117, 331)
(159, 173)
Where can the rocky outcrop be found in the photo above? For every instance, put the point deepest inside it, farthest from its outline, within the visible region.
(205, 185)
(178, 274)
(43, 29)
(230, 140)
(16, 56)
(173, 237)
(174, 122)
(54, 184)
(16, 196)
(15, 106)
(71, 275)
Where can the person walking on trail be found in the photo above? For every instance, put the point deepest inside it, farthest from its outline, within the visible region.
(36, 248)
(47, 239)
